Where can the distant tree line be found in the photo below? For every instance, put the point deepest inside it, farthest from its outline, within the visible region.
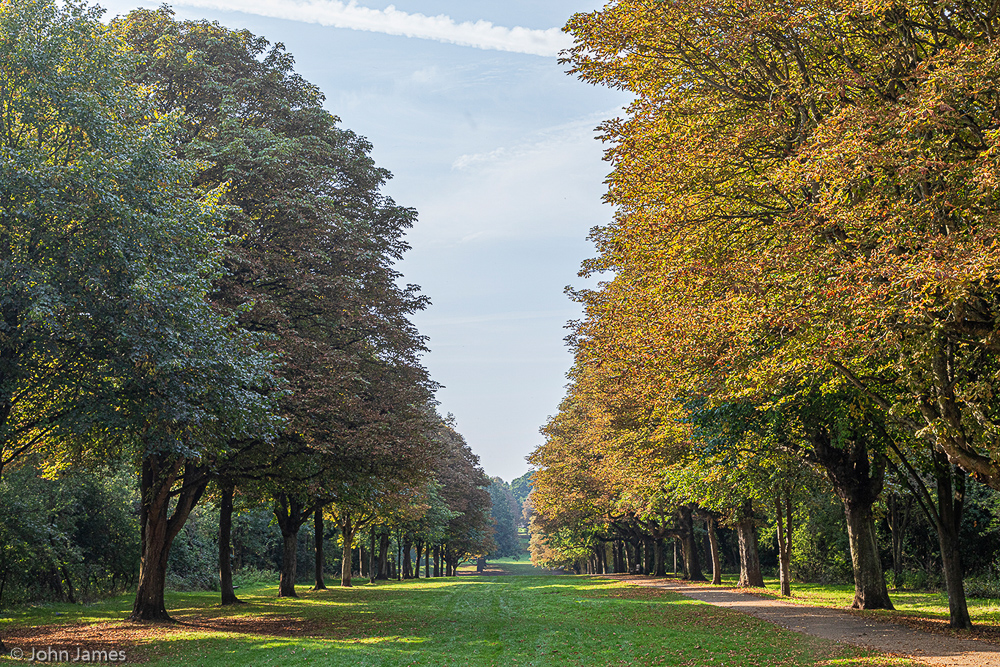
(200, 317)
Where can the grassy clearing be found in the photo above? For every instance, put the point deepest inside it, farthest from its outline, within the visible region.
(508, 566)
(468, 620)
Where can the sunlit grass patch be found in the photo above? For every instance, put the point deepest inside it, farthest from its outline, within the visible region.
(501, 620)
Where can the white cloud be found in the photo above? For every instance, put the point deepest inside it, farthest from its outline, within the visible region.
(548, 184)
(391, 21)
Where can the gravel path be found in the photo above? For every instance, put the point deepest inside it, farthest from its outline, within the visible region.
(840, 626)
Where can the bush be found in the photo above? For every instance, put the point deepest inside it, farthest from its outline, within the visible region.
(985, 586)
(251, 576)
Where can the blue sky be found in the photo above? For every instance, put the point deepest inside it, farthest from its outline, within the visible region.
(493, 144)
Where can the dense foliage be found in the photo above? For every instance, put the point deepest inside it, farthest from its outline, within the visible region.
(802, 284)
(201, 318)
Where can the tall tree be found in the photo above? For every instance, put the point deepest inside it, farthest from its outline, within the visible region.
(313, 243)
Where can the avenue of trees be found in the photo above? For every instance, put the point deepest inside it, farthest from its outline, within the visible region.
(801, 300)
(200, 318)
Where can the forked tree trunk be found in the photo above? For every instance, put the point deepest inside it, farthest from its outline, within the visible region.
(225, 544)
(291, 513)
(713, 541)
(318, 547)
(858, 484)
(750, 574)
(858, 479)
(159, 527)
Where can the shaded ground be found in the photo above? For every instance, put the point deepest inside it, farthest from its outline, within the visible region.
(840, 625)
(135, 639)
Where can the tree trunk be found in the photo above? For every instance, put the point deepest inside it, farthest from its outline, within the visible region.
(407, 562)
(427, 560)
(291, 513)
(870, 591)
(318, 548)
(713, 541)
(383, 556)
(858, 483)
(347, 532)
(159, 528)
(418, 550)
(225, 544)
(689, 545)
(660, 558)
(289, 564)
(750, 575)
(437, 560)
(950, 506)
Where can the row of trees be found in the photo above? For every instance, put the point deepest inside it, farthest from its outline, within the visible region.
(196, 277)
(75, 537)
(803, 276)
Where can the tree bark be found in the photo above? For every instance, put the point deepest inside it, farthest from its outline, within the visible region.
(427, 560)
(858, 483)
(291, 513)
(750, 575)
(689, 545)
(870, 591)
(347, 532)
(225, 544)
(318, 548)
(159, 527)
(437, 560)
(418, 550)
(383, 556)
(950, 507)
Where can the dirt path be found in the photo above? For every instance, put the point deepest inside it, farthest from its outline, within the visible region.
(840, 626)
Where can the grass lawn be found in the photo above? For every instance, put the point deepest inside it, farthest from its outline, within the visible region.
(465, 620)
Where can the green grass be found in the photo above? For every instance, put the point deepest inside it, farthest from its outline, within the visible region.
(467, 620)
(507, 566)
